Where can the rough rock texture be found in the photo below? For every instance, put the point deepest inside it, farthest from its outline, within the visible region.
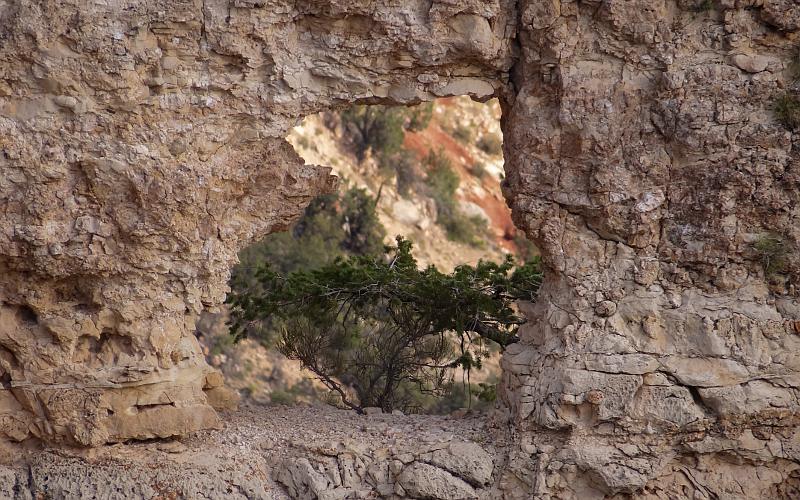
(272, 453)
(141, 146)
(645, 162)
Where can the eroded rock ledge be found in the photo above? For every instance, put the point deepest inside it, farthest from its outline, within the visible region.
(142, 145)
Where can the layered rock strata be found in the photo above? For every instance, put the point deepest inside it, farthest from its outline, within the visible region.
(142, 145)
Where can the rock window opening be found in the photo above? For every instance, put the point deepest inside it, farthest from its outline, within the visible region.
(430, 173)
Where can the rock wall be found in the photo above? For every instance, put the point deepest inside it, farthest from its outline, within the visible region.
(141, 145)
(645, 160)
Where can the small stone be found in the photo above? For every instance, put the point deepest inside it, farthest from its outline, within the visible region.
(66, 101)
(406, 458)
(421, 480)
(655, 378)
(395, 467)
(595, 397)
(172, 447)
(605, 308)
(373, 410)
(750, 63)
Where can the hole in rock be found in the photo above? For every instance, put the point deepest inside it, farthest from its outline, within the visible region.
(27, 315)
(342, 314)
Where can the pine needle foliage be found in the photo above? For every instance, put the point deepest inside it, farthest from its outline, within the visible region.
(378, 330)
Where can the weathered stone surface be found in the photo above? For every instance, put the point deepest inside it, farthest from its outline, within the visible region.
(645, 161)
(468, 461)
(142, 147)
(420, 480)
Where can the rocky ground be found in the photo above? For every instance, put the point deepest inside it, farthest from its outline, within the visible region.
(275, 452)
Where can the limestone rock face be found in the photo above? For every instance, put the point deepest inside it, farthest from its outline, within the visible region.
(141, 146)
(645, 161)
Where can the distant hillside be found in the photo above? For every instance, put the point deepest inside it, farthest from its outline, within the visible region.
(468, 134)
(457, 128)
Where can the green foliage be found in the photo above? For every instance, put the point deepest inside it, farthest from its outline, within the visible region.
(334, 225)
(331, 226)
(787, 109)
(363, 231)
(293, 394)
(794, 67)
(441, 177)
(478, 170)
(443, 183)
(463, 133)
(378, 330)
(487, 393)
(772, 251)
(282, 397)
(382, 128)
(419, 117)
(379, 128)
(491, 144)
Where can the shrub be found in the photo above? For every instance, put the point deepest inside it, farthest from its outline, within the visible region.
(419, 117)
(282, 397)
(363, 231)
(478, 170)
(406, 172)
(378, 331)
(442, 179)
(491, 144)
(787, 110)
(772, 250)
(333, 225)
(703, 5)
(463, 133)
(794, 68)
(526, 250)
(379, 128)
(443, 183)
(382, 128)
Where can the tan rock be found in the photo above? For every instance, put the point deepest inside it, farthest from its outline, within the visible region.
(141, 148)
